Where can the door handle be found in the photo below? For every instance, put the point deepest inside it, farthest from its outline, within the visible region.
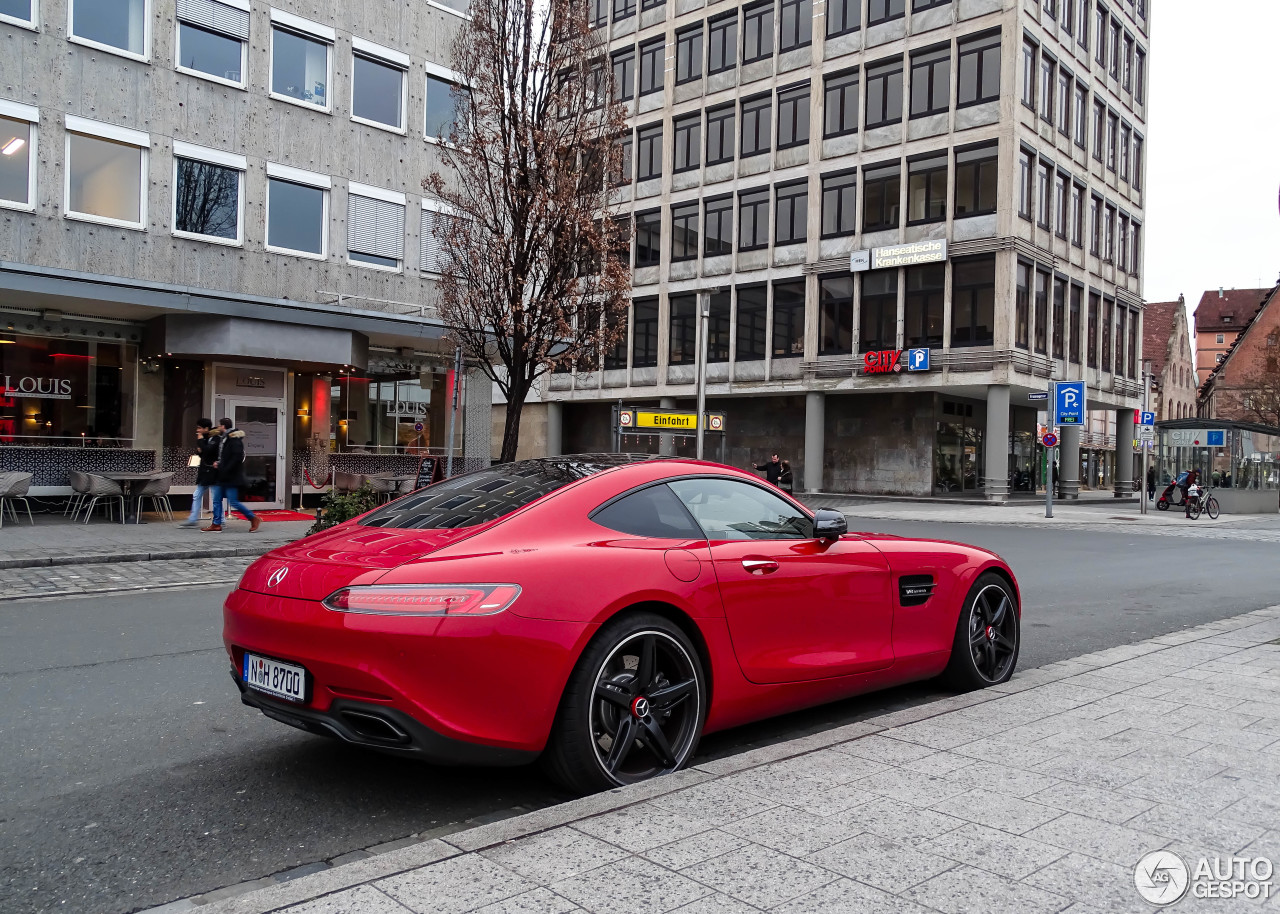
(760, 566)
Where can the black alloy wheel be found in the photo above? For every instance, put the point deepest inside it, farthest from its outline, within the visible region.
(1162, 504)
(633, 708)
(987, 640)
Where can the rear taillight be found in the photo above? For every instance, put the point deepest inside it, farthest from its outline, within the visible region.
(424, 599)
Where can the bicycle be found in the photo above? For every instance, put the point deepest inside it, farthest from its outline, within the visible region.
(1202, 501)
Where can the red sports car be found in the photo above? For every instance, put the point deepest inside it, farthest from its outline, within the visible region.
(601, 612)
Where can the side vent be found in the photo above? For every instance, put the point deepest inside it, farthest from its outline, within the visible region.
(915, 589)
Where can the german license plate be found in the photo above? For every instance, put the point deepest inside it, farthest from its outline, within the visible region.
(284, 680)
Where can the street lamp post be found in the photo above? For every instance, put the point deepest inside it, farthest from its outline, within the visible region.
(704, 320)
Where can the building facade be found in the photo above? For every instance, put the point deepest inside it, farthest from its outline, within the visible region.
(1218, 319)
(214, 207)
(1245, 384)
(905, 216)
(1166, 344)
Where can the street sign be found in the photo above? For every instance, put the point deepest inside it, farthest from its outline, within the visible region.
(917, 360)
(417, 426)
(1147, 418)
(666, 420)
(1068, 403)
(1038, 395)
(1050, 439)
(1146, 433)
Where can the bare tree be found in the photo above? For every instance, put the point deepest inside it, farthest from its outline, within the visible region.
(534, 275)
(1259, 394)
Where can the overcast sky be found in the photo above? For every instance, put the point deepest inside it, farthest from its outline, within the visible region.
(1213, 168)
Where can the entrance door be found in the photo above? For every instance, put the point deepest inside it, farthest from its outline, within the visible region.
(263, 425)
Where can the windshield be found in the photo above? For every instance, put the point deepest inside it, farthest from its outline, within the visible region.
(486, 495)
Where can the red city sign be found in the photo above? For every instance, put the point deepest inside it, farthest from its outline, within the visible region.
(882, 361)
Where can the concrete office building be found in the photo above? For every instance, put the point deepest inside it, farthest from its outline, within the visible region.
(853, 179)
(214, 207)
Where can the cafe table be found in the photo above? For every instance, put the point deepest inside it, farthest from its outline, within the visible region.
(130, 483)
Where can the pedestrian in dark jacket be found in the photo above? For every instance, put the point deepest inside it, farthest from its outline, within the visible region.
(229, 468)
(772, 469)
(785, 480)
(206, 452)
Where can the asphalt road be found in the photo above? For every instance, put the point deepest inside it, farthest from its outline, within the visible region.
(131, 775)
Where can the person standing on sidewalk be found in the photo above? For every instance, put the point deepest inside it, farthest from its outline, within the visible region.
(230, 479)
(772, 469)
(206, 452)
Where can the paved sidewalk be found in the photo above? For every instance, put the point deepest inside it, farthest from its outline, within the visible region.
(52, 540)
(1036, 796)
(1092, 514)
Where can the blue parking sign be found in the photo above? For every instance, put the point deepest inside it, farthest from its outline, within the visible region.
(1148, 418)
(917, 360)
(1068, 403)
(1215, 438)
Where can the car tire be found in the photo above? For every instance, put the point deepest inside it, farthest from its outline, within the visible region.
(988, 636)
(605, 705)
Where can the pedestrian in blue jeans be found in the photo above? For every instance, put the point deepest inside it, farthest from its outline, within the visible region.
(207, 442)
(229, 467)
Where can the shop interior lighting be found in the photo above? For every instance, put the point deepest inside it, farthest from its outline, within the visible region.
(13, 146)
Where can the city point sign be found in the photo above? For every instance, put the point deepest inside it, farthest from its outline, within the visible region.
(882, 361)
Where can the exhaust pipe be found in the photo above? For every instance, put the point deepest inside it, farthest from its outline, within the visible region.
(374, 727)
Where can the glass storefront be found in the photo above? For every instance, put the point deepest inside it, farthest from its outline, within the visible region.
(66, 391)
(958, 454)
(385, 413)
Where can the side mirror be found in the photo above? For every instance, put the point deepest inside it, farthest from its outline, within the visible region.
(829, 525)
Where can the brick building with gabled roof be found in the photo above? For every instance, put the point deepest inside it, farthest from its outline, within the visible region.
(1166, 343)
(1245, 384)
(1218, 319)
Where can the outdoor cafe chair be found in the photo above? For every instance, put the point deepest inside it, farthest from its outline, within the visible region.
(103, 490)
(14, 488)
(157, 491)
(79, 483)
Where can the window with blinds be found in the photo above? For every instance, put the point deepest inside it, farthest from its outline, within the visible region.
(212, 38)
(434, 258)
(375, 231)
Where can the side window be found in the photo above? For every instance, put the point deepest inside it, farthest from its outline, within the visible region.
(653, 511)
(731, 510)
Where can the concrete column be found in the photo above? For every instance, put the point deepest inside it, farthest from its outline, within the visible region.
(667, 443)
(555, 429)
(1069, 461)
(1123, 473)
(815, 418)
(996, 444)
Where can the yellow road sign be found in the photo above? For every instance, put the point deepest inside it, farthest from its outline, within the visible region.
(666, 420)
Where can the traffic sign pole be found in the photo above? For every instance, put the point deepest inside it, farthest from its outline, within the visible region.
(1048, 452)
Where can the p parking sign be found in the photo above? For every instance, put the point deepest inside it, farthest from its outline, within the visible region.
(1068, 403)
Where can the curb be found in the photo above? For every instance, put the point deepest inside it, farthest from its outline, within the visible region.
(111, 558)
(303, 884)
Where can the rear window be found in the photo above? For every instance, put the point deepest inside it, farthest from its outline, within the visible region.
(486, 495)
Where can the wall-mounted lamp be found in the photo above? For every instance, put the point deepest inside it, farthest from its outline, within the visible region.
(304, 413)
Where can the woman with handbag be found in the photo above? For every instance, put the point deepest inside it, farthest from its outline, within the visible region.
(206, 454)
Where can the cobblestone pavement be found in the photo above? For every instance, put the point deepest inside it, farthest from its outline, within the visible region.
(1040, 795)
(98, 577)
(54, 540)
